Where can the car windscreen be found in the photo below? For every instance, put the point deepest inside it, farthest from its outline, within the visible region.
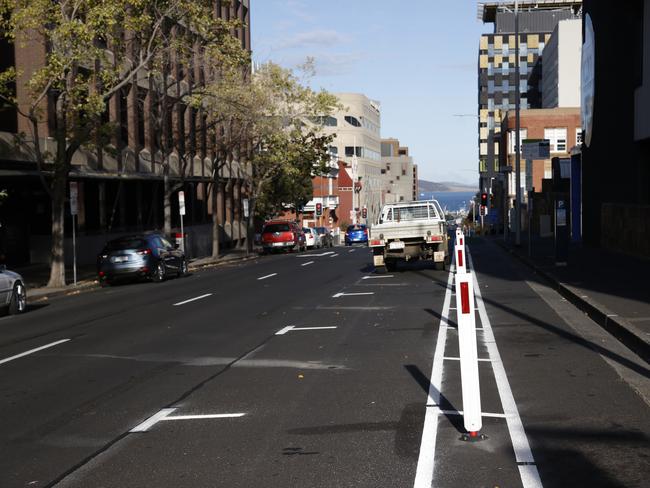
(353, 228)
(123, 244)
(306, 230)
(277, 228)
(321, 230)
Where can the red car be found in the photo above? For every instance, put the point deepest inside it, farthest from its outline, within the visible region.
(282, 235)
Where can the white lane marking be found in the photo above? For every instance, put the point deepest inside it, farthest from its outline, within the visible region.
(376, 277)
(449, 358)
(208, 416)
(333, 255)
(192, 299)
(351, 250)
(341, 294)
(426, 458)
(528, 473)
(267, 276)
(32, 351)
(307, 263)
(460, 412)
(314, 255)
(153, 420)
(284, 330)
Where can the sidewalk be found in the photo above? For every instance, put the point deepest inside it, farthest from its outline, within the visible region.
(613, 289)
(37, 275)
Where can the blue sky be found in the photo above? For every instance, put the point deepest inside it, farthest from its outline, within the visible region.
(417, 58)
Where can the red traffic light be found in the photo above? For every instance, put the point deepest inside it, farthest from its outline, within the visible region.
(319, 209)
(484, 199)
(364, 212)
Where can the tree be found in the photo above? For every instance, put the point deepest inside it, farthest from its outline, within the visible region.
(92, 49)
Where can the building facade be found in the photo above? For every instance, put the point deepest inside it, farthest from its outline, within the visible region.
(120, 189)
(400, 172)
(615, 156)
(561, 66)
(497, 79)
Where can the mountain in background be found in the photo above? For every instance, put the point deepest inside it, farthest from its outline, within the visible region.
(443, 186)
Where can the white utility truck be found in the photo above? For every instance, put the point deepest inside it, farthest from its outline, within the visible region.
(409, 231)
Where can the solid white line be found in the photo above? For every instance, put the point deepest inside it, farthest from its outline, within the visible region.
(307, 263)
(449, 358)
(529, 476)
(426, 458)
(333, 255)
(32, 351)
(265, 277)
(341, 294)
(192, 299)
(284, 330)
(208, 416)
(151, 421)
(376, 277)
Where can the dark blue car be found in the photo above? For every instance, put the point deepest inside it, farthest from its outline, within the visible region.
(356, 233)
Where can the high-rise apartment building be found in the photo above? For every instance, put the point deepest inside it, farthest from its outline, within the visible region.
(400, 172)
(561, 66)
(497, 80)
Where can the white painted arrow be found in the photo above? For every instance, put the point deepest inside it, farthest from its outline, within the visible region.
(341, 294)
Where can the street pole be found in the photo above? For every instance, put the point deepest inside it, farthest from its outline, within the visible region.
(517, 135)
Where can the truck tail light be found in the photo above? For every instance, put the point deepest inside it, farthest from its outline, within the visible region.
(376, 242)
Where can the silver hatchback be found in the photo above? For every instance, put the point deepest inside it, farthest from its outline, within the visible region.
(13, 294)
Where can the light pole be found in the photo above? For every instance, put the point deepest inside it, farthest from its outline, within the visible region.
(517, 135)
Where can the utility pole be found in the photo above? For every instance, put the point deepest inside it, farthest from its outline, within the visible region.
(517, 135)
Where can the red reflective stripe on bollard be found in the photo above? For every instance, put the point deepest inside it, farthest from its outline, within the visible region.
(460, 258)
(461, 241)
(464, 297)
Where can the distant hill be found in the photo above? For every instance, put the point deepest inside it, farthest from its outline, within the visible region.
(443, 186)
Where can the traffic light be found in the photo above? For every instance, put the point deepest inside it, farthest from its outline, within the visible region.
(484, 199)
(364, 213)
(319, 209)
(491, 200)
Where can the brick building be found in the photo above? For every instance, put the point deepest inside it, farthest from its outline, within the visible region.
(120, 190)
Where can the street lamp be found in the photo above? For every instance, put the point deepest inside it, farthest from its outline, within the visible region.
(517, 135)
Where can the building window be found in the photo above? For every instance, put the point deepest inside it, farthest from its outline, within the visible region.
(482, 165)
(557, 138)
(505, 68)
(490, 69)
(353, 151)
(490, 87)
(490, 104)
(352, 121)
(333, 150)
(523, 86)
(523, 49)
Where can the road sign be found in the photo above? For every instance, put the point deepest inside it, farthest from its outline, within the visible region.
(74, 198)
(245, 205)
(181, 202)
(536, 149)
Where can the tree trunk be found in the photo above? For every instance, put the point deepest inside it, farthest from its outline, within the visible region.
(57, 265)
(215, 220)
(167, 208)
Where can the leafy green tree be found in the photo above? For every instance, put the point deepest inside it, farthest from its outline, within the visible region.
(93, 48)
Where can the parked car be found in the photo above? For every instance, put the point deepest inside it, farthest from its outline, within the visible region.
(13, 294)
(148, 255)
(326, 238)
(282, 235)
(356, 233)
(312, 238)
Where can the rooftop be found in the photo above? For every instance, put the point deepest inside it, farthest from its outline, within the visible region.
(487, 10)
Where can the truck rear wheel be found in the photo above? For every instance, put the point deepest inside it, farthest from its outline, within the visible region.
(440, 265)
(391, 265)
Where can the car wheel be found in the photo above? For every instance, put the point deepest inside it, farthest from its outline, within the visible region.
(159, 272)
(183, 269)
(18, 303)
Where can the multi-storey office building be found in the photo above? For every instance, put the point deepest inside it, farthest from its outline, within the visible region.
(400, 172)
(497, 80)
(119, 190)
(358, 144)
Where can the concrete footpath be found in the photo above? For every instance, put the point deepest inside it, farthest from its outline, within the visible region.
(613, 289)
(37, 275)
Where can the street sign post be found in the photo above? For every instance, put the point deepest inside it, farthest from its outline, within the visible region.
(245, 205)
(181, 211)
(74, 210)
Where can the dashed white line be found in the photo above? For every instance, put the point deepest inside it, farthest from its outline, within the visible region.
(376, 277)
(192, 299)
(307, 263)
(207, 416)
(333, 255)
(352, 250)
(267, 276)
(32, 351)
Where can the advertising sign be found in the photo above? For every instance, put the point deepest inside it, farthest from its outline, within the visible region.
(533, 149)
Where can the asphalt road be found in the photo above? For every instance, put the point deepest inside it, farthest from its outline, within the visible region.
(310, 370)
